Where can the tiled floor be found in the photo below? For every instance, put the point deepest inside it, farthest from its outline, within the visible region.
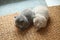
(17, 7)
(53, 2)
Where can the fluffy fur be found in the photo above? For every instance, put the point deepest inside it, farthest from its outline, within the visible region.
(24, 19)
(41, 16)
(38, 16)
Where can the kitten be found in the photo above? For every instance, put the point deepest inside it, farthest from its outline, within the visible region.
(41, 17)
(25, 19)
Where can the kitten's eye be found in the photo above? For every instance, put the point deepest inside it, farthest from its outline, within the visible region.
(22, 21)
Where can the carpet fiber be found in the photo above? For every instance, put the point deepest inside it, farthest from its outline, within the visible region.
(8, 31)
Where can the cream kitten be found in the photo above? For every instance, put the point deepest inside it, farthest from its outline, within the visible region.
(41, 16)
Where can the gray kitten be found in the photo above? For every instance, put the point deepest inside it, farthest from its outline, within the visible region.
(25, 19)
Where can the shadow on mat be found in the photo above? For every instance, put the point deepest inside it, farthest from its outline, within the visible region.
(24, 32)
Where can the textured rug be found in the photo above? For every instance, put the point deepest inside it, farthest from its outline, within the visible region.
(8, 31)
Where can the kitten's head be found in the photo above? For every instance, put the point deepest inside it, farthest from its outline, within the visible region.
(39, 21)
(21, 22)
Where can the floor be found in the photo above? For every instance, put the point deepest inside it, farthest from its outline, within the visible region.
(12, 6)
(53, 2)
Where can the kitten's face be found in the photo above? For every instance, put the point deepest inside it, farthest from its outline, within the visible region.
(39, 22)
(21, 22)
(36, 22)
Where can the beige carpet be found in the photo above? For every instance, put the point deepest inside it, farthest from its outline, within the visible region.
(8, 31)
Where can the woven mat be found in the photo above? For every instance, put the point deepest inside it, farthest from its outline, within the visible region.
(8, 31)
